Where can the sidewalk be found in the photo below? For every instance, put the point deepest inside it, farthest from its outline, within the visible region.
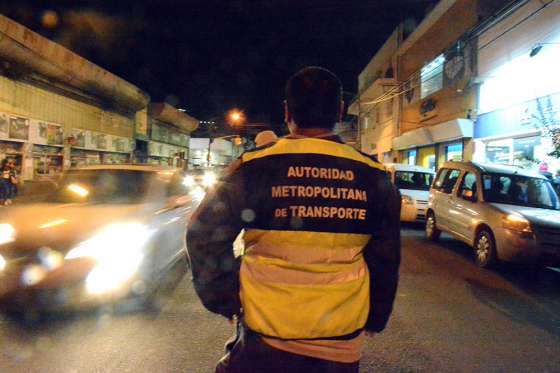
(34, 191)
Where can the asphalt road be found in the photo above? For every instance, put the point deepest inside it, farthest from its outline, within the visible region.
(449, 316)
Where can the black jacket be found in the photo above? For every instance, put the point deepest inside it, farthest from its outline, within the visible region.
(242, 200)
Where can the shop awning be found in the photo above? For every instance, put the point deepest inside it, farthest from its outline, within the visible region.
(453, 130)
(413, 139)
(448, 131)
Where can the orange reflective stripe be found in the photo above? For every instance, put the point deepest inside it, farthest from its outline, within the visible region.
(263, 270)
(301, 247)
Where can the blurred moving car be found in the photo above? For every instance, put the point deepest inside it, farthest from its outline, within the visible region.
(504, 213)
(414, 184)
(105, 233)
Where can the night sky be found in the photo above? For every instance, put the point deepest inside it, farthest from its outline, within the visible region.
(213, 55)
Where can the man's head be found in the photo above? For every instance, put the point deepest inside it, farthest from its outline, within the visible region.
(314, 99)
(264, 138)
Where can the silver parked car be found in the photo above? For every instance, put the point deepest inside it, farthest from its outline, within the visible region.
(107, 232)
(504, 213)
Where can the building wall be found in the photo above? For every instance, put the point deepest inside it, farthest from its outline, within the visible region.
(459, 18)
(381, 62)
(33, 102)
(37, 101)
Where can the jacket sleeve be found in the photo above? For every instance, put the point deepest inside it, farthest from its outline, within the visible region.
(211, 232)
(383, 256)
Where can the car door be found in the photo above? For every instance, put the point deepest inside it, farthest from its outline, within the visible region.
(465, 211)
(443, 199)
(171, 221)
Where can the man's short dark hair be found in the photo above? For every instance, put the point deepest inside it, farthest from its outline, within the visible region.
(313, 96)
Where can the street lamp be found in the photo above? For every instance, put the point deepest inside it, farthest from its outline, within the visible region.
(236, 117)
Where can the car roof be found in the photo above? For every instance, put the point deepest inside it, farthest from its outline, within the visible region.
(493, 168)
(407, 167)
(128, 167)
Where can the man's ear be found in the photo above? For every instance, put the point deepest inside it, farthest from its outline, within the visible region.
(341, 114)
(287, 116)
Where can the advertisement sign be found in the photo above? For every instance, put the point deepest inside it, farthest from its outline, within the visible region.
(44, 133)
(19, 128)
(532, 115)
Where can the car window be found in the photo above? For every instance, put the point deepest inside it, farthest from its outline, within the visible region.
(520, 190)
(442, 174)
(469, 187)
(107, 186)
(413, 180)
(450, 181)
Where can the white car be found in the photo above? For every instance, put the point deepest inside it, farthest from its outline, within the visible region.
(414, 184)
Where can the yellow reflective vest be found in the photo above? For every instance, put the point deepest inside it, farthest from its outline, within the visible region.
(309, 207)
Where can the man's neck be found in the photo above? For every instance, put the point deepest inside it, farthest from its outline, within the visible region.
(311, 132)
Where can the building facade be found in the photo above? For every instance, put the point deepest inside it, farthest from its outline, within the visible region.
(519, 100)
(59, 110)
(432, 91)
(169, 138)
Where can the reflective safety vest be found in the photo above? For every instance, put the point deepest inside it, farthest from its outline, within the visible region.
(303, 275)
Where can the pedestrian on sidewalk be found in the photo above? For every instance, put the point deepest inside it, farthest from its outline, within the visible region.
(322, 243)
(8, 181)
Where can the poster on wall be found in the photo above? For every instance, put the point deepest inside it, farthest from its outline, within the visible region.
(55, 134)
(44, 133)
(80, 138)
(19, 128)
(4, 125)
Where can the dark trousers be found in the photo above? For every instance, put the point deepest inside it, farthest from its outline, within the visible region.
(247, 353)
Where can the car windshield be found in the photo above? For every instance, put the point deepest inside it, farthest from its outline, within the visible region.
(413, 180)
(104, 186)
(520, 190)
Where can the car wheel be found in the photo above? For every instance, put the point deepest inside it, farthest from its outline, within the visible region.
(484, 249)
(432, 232)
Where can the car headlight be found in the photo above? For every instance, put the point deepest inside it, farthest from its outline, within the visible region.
(7, 233)
(407, 200)
(209, 179)
(517, 223)
(2, 263)
(189, 181)
(118, 250)
(198, 194)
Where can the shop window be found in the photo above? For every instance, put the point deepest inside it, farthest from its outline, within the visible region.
(524, 150)
(431, 77)
(499, 151)
(428, 157)
(454, 152)
(409, 157)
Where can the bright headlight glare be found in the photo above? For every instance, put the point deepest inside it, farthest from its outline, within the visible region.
(2, 263)
(189, 181)
(517, 223)
(7, 233)
(209, 179)
(115, 243)
(198, 194)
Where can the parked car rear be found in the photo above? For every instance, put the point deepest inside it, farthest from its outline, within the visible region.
(413, 183)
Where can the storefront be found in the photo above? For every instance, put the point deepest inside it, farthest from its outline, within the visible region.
(166, 154)
(91, 148)
(431, 146)
(518, 135)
